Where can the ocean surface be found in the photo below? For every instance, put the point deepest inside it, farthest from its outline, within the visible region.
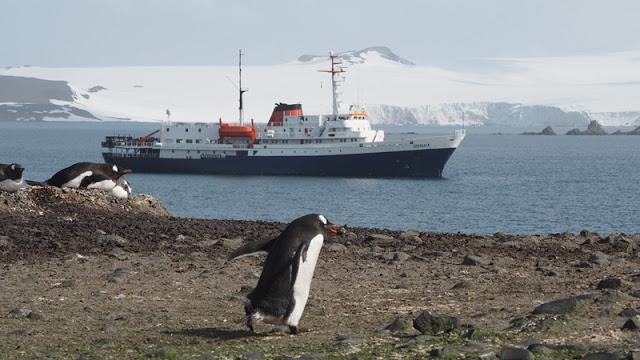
(496, 181)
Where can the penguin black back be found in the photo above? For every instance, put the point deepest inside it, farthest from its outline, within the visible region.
(85, 174)
(10, 177)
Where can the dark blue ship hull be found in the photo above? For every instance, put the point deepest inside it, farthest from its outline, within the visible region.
(427, 163)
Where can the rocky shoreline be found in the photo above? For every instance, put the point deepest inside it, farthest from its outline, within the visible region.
(87, 276)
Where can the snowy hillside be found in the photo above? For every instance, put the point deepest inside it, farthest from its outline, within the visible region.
(531, 92)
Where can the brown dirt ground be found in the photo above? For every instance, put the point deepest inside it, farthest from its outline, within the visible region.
(162, 287)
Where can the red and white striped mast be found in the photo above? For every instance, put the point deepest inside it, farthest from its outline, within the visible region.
(335, 60)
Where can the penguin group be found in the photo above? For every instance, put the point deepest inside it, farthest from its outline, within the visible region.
(82, 175)
(283, 288)
(281, 294)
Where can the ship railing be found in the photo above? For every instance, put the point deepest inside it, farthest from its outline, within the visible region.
(129, 155)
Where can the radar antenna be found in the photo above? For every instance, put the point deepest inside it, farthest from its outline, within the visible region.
(335, 70)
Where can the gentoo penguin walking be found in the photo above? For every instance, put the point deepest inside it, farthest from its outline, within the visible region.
(122, 190)
(10, 177)
(283, 288)
(85, 175)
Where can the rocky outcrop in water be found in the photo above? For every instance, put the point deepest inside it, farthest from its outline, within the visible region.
(594, 128)
(546, 131)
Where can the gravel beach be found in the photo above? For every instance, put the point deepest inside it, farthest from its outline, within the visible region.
(87, 276)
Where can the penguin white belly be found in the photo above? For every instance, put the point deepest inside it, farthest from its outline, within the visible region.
(75, 182)
(119, 192)
(302, 283)
(106, 185)
(10, 185)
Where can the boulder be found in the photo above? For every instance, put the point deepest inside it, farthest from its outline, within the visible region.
(557, 307)
(473, 260)
(610, 283)
(514, 353)
(432, 324)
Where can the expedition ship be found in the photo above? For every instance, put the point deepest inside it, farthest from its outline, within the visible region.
(291, 143)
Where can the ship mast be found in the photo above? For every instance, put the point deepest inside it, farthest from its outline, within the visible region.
(240, 89)
(335, 70)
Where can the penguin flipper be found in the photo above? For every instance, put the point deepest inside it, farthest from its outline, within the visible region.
(36, 183)
(254, 248)
(94, 178)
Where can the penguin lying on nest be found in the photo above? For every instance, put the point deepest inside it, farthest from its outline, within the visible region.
(89, 175)
(10, 177)
(283, 288)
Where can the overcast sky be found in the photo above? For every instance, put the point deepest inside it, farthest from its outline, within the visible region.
(209, 32)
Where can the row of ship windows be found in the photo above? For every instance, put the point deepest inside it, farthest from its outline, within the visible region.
(316, 141)
(181, 141)
(186, 129)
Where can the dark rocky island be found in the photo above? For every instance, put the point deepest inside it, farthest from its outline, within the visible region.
(87, 276)
(546, 131)
(635, 131)
(594, 128)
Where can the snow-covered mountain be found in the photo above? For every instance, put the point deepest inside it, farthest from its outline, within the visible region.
(524, 92)
(359, 56)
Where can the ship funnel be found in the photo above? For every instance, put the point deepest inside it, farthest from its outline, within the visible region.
(281, 110)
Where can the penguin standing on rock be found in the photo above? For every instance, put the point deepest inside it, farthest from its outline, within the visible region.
(283, 288)
(85, 175)
(10, 177)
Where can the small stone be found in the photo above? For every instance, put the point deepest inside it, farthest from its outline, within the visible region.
(335, 247)
(162, 353)
(401, 257)
(381, 239)
(88, 357)
(610, 283)
(4, 241)
(599, 258)
(433, 324)
(473, 260)
(464, 284)
(408, 234)
(634, 355)
(207, 243)
(181, 238)
(314, 356)
(437, 253)
(557, 307)
(118, 275)
(539, 349)
(632, 324)
(349, 344)
(22, 313)
(399, 325)
(601, 356)
(635, 293)
(104, 342)
(112, 239)
(628, 312)
(118, 253)
(514, 353)
(252, 356)
(487, 356)
(230, 243)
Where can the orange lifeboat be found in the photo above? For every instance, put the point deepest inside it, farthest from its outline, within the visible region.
(233, 132)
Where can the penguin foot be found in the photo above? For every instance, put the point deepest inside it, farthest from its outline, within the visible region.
(294, 330)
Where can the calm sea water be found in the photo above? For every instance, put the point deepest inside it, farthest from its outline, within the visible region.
(507, 183)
